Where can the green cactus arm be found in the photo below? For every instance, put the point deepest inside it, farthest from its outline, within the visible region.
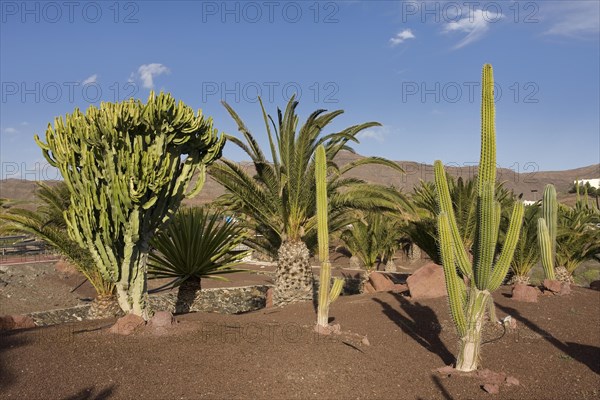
(321, 189)
(456, 288)
(550, 215)
(487, 162)
(445, 205)
(508, 250)
(545, 249)
(485, 246)
(336, 289)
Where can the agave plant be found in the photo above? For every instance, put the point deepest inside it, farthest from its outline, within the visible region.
(48, 224)
(277, 200)
(197, 244)
(527, 252)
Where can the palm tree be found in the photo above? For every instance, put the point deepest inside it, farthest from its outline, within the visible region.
(527, 252)
(422, 230)
(277, 199)
(197, 244)
(48, 224)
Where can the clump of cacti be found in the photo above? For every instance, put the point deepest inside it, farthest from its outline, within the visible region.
(128, 166)
(328, 293)
(469, 288)
(547, 226)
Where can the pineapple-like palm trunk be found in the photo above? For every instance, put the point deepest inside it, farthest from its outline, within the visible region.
(470, 344)
(187, 294)
(104, 306)
(294, 278)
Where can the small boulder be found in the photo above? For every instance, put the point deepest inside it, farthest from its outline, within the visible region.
(127, 325)
(427, 282)
(512, 381)
(269, 298)
(524, 293)
(11, 322)
(368, 288)
(552, 285)
(381, 282)
(491, 388)
(162, 319)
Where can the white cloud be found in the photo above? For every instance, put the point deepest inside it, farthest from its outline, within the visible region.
(377, 134)
(577, 19)
(10, 130)
(475, 24)
(91, 79)
(401, 37)
(148, 72)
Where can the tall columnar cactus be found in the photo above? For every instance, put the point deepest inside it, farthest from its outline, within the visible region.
(547, 226)
(128, 166)
(327, 294)
(469, 288)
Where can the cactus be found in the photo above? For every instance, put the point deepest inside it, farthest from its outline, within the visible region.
(469, 292)
(327, 294)
(547, 226)
(128, 166)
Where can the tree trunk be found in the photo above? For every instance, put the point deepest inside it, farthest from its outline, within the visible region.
(470, 344)
(132, 288)
(104, 306)
(294, 278)
(187, 294)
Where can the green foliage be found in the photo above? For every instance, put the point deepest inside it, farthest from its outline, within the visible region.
(578, 237)
(277, 199)
(486, 272)
(422, 229)
(197, 244)
(128, 166)
(327, 294)
(48, 224)
(527, 252)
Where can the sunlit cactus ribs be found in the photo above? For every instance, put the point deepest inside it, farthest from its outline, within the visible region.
(128, 166)
(327, 293)
(470, 283)
(547, 226)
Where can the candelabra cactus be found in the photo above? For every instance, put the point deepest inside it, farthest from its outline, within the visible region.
(547, 226)
(469, 291)
(128, 166)
(327, 294)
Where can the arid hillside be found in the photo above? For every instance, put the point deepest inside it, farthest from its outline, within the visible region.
(525, 183)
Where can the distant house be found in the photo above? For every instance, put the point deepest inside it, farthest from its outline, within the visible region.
(595, 183)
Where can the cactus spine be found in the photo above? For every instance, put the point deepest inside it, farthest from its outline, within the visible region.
(125, 169)
(547, 226)
(327, 294)
(470, 292)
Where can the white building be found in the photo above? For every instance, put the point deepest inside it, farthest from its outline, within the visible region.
(595, 183)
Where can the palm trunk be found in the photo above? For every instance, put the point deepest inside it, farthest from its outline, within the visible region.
(104, 306)
(187, 294)
(470, 343)
(294, 279)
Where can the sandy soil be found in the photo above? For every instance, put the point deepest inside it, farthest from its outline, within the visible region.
(273, 353)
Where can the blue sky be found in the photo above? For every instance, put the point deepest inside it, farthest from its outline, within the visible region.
(413, 66)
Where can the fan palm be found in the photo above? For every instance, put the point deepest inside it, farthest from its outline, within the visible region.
(48, 224)
(277, 199)
(197, 244)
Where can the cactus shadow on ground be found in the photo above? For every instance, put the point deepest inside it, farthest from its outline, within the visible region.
(585, 354)
(421, 324)
(89, 393)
